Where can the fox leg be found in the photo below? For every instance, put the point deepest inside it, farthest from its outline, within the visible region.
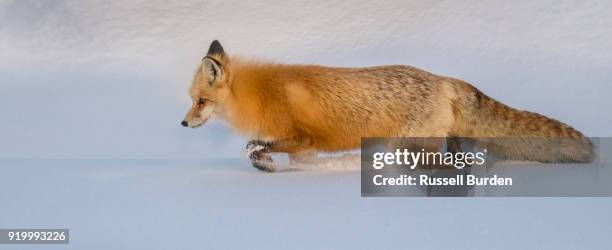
(453, 145)
(302, 157)
(258, 151)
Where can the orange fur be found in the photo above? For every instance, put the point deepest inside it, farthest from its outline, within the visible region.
(309, 107)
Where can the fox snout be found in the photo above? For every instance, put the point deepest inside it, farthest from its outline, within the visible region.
(193, 123)
(197, 116)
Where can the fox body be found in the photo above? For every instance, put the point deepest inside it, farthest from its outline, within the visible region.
(301, 109)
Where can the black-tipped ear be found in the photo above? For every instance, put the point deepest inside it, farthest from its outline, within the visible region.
(215, 49)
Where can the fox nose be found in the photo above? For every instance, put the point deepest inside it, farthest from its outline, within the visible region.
(184, 123)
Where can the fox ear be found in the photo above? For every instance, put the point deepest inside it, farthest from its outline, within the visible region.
(212, 70)
(212, 63)
(215, 49)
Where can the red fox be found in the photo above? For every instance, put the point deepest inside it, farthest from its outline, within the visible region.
(302, 109)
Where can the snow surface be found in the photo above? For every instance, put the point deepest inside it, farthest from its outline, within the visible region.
(226, 204)
(108, 79)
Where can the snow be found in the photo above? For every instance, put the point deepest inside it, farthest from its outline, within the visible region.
(92, 93)
(226, 204)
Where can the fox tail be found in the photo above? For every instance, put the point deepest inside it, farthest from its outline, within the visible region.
(517, 135)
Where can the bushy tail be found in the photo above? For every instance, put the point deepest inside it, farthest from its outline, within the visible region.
(514, 134)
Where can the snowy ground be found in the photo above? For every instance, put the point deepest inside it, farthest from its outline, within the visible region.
(226, 204)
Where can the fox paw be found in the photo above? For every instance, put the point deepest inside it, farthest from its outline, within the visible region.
(255, 146)
(257, 151)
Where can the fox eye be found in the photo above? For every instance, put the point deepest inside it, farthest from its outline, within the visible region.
(201, 101)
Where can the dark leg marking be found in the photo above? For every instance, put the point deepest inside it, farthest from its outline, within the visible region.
(257, 151)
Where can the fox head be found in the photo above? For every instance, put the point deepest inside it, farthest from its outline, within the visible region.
(210, 87)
